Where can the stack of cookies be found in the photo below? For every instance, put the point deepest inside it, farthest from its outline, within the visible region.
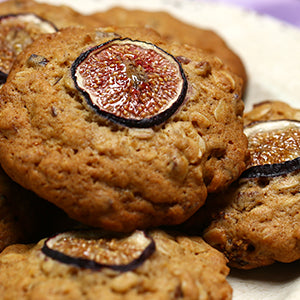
(118, 142)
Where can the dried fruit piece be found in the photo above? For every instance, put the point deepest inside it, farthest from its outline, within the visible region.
(37, 61)
(133, 83)
(16, 32)
(274, 148)
(96, 250)
(3, 77)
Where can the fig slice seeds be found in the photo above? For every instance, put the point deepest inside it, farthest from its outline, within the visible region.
(96, 250)
(274, 148)
(133, 83)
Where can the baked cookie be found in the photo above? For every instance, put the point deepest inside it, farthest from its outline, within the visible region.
(271, 110)
(106, 169)
(61, 15)
(25, 218)
(256, 221)
(165, 274)
(173, 29)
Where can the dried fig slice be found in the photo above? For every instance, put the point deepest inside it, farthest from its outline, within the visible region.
(130, 82)
(16, 32)
(274, 148)
(96, 250)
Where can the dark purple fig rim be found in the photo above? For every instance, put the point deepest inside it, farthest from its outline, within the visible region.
(28, 14)
(90, 264)
(138, 123)
(3, 77)
(272, 170)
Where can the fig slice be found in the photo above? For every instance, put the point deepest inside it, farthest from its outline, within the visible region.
(16, 32)
(130, 82)
(93, 249)
(274, 148)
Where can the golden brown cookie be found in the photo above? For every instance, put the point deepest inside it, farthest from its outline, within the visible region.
(56, 141)
(173, 29)
(256, 221)
(166, 274)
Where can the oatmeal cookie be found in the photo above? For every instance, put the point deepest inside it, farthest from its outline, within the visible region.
(173, 29)
(57, 142)
(256, 221)
(166, 274)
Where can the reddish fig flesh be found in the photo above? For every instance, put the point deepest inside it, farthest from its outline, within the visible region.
(133, 83)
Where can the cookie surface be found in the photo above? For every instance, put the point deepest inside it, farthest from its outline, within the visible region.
(166, 274)
(111, 176)
(257, 221)
(173, 29)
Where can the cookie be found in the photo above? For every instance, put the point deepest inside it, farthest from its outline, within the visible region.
(259, 223)
(58, 143)
(25, 218)
(173, 29)
(60, 15)
(256, 221)
(166, 274)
